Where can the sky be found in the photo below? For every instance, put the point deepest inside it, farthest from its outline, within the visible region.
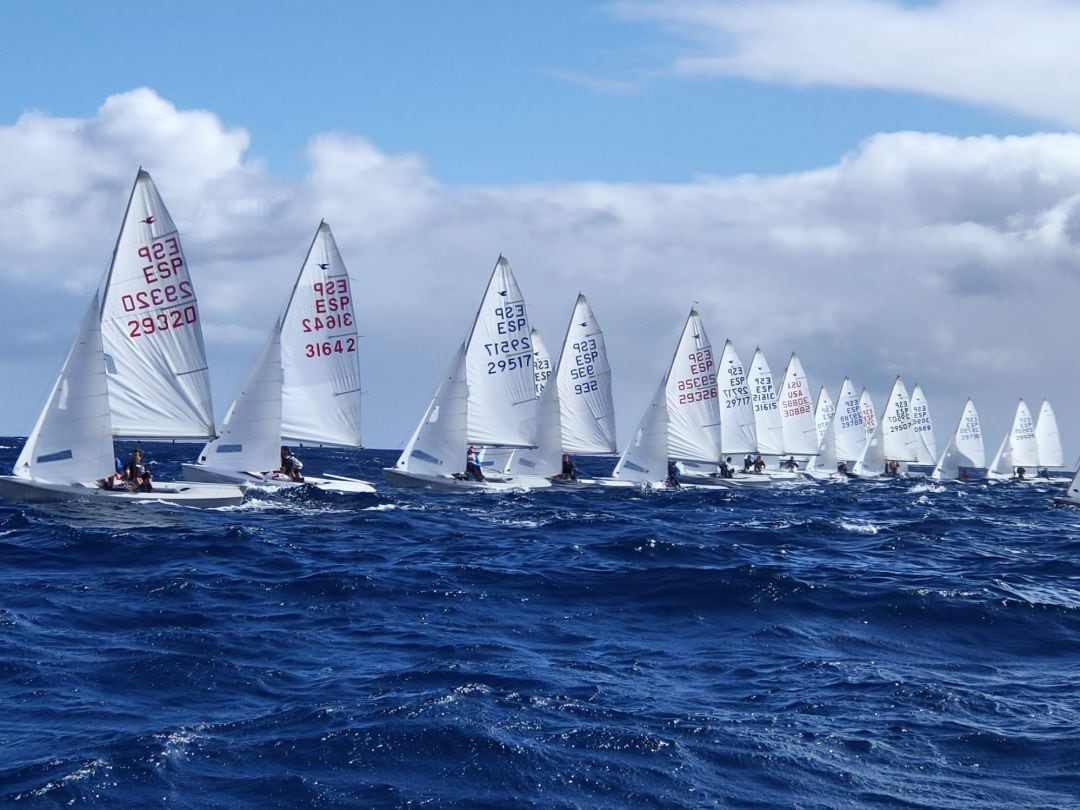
(887, 188)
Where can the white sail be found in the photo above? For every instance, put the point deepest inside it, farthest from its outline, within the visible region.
(768, 426)
(849, 427)
(437, 446)
(584, 379)
(798, 427)
(72, 440)
(872, 461)
(923, 426)
(1048, 438)
(159, 385)
(499, 368)
(826, 458)
(319, 351)
(965, 447)
(869, 415)
(646, 456)
(896, 426)
(823, 412)
(1023, 447)
(251, 432)
(545, 459)
(1073, 493)
(737, 428)
(692, 413)
(542, 362)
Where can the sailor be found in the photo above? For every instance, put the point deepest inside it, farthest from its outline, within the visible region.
(136, 476)
(672, 476)
(291, 465)
(569, 471)
(472, 464)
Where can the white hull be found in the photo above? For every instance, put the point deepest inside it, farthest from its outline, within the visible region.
(446, 483)
(201, 496)
(737, 481)
(275, 480)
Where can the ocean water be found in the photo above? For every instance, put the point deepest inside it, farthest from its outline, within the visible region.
(895, 645)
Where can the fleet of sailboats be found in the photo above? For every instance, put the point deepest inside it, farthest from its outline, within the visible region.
(506, 415)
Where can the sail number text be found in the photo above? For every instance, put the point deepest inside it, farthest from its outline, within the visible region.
(701, 384)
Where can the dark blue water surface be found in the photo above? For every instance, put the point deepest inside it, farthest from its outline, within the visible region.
(907, 644)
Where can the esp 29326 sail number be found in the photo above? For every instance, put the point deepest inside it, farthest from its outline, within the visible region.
(701, 385)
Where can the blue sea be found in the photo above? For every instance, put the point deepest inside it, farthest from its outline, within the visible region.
(897, 645)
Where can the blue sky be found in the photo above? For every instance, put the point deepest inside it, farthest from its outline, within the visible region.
(488, 92)
(887, 188)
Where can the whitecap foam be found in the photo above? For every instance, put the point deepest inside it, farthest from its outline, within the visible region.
(858, 526)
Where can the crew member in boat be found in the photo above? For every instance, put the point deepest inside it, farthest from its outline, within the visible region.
(727, 468)
(759, 464)
(291, 465)
(569, 471)
(747, 463)
(672, 475)
(136, 476)
(791, 465)
(472, 464)
(109, 481)
(1020, 473)
(841, 467)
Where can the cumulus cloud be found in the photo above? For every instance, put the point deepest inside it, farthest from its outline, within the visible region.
(950, 261)
(1019, 57)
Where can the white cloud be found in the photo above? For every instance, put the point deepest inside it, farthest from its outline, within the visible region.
(951, 261)
(1019, 57)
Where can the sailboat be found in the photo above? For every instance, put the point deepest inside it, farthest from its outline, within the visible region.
(681, 423)
(965, 449)
(1048, 438)
(304, 386)
(587, 408)
(137, 369)
(768, 426)
(576, 412)
(1019, 450)
(923, 427)
(798, 427)
(893, 439)
(487, 398)
(844, 438)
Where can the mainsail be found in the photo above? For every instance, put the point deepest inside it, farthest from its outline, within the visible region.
(923, 426)
(499, 366)
(965, 447)
(848, 426)
(1048, 438)
(1019, 448)
(159, 384)
(796, 411)
(693, 416)
(737, 427)
(896, 425)
(319, 351)
(768, 426)
(584, 380)
(823, 412)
